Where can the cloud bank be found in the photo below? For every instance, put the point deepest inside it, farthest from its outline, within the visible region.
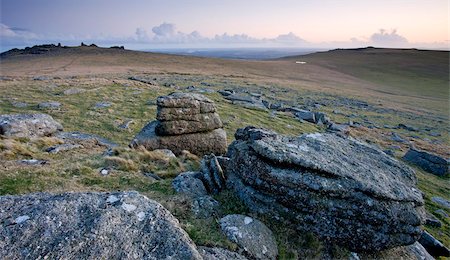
(166, 35)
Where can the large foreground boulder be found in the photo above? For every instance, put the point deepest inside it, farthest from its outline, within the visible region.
(185, 121)
(343, 190)
(28, 125)
(122, 225)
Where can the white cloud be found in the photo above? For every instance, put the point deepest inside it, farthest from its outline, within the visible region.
(289, 38)
(165, 30)
(392, 39)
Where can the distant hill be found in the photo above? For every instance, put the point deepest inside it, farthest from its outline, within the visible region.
(407, 71)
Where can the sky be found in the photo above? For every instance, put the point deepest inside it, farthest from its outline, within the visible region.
(153, 24)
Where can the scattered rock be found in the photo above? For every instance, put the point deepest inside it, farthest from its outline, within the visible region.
(306, 115)
(100, 105)
(19, 104)
(126, 124)
(338, 128)
(345, 191)
(42, 78)
(432, 221)
(28, 125)
(407, 127)
(123, 225)
(49, 105)
(62, 148)
(33, 162)
(168, 153)
(441, 201)
(143, 80)
(204, 207)
(428, 162)
(251, 235)
(190, 184)
(226, 92)
(442, 213)
(186, 121)
(73, 91)
(246, 101)
(397, 138)
(79, 137)
(321, 118)
(433, 246)
(215, 253)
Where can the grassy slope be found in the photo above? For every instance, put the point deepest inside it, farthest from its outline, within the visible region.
(103, 77)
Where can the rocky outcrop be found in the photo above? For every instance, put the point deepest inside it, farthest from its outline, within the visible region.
(255, 239)
(122, 225)
(28, 125)
(185, 121)
(341, 189)
(428, 162)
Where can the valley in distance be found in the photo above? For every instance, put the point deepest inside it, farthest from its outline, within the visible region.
(109, 153)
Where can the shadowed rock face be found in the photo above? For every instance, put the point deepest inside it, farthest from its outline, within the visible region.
(122, 225)
(341, 189)
(185, 121)
(428, 162)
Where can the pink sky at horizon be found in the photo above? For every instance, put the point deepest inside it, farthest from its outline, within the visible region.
(417, 22)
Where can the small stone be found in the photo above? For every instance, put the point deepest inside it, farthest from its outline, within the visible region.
(441, 201)
(21, 219)
(104, 172)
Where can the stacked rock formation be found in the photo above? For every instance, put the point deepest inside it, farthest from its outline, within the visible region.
(341, 189)
(185, 121)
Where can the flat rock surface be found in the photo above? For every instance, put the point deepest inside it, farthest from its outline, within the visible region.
(216, 253)
(123, 225)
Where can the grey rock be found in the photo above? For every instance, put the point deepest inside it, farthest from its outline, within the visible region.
(418, 251)
(79, 137)
(427, 161)
(100, 105)
(33, 162)
(212, 174)
(182, 113)
(49, 105)
(226, 92)
(73, 91)
(126, 124)
(19, 104)
(251, 235)
(143, 80)
(432, 221)
(321, 118)
(246, 101)
(407, 127)
(28, 125)
(414, 251)
(306, 115)
(189, 183)
(433, 246)
(199, 123)
(205, 207)
(62, 148)
(186, 100)
(42, 78)
(397, 138)
(344, 190)
(442, 213)
(216, 253)
(122, 225)
(168, 153)
(214, 141)
(441, 201)
(338, 128)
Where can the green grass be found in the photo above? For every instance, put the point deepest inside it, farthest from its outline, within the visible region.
(78, 170)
